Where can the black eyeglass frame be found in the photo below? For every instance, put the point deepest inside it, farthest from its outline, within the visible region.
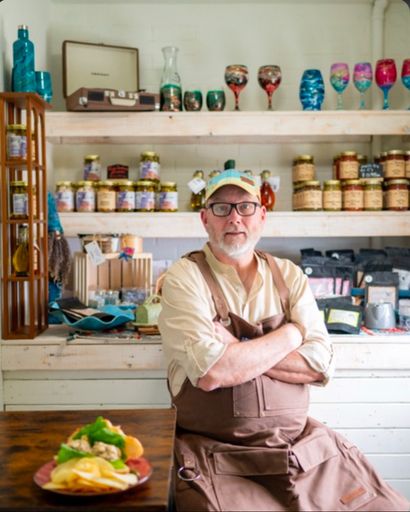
(232, 206)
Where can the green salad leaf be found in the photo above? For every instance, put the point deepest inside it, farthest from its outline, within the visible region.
(66, 453)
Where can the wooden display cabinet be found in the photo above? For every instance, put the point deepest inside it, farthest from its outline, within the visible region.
(24, 296)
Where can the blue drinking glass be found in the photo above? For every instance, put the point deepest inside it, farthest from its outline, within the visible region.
(312, 89)
(43, 85)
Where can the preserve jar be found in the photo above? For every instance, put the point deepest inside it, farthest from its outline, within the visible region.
(13, 141)
(145, 196)
(332, 196)
(395, 165)
(303, 168)
(335, 167)
(296, 197)
(168, 197)
(85, 197)
(407, 163)
(106, 196)
(348, 166)
(310, 196)
(397, 195)
(373, 194)
(92, 168)
(149, 166)
(352, 196)
(18, 200)
(125, 196)
(64, 196)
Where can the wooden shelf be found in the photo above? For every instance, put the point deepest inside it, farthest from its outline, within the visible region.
(278, 224)
(223, 127)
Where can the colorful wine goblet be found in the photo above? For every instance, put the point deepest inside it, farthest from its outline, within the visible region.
(312, 89)
(339, 78)
(269, 78)
(362, 79)
(236, 78)
(386, 76)
(405, 74)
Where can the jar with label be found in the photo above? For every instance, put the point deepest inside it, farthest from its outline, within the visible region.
(303, 168)
(13, 139)
(395, 166)
(106, 196)
(149, 166)
(397, 195)
(85, 197)
(352, 195)
(310, 196)
(92, 168)
(168, 197)
(332, 196)
(373, 194)
(145, 196)
(348, 166)
(296, 197)
(407, 163)
(125, 196)
(18, 200)
(64, 196)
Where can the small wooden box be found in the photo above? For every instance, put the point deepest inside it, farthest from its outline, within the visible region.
(113, 274)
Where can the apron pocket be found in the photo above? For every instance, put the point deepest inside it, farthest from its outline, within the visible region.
(245, 400)
(251, 462)
(312, 451)
(283, 398)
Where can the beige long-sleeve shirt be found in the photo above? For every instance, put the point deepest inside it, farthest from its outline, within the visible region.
(191, 345)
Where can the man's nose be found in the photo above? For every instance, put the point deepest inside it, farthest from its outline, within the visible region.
(234, 215)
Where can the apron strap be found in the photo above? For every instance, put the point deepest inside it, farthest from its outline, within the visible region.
(278, 281)
(218, 297)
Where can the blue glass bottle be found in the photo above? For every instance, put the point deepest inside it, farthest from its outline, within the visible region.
(23, 76)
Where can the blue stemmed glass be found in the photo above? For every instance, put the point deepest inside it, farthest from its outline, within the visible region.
(43, 85)
(339, 78)
(405, 74)
(312, 89)
(362, 79)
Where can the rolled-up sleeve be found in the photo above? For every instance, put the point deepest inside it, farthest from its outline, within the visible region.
(186, 324)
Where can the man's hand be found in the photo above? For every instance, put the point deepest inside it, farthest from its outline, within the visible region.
(224, 334)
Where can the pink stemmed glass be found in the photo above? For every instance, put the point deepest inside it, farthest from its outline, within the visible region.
(236, 78)
(386, 76)
(339, 78)
(269, 78)
(362, 79)
(405, 74)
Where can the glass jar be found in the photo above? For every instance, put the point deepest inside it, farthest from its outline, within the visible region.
(125, 196)
(395, 165)
(18, 200)
(64, 196)
(106, 196)
(168, 197)
(397, 195)
(297, 188)
(407, 163)
(332, 196)
(303, 168)
(335, 167)
(85, 197)
(352, 195)
(373, 194)
(310, 196)
(13, 141)
(149, 166)
(92, 168)
(145, 196)
(348, 166)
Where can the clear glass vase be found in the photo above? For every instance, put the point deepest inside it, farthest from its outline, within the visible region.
(171, 90)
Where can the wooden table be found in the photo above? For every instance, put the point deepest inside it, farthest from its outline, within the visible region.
(30, 439)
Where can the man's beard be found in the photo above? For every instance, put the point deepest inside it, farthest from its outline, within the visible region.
(236, 250)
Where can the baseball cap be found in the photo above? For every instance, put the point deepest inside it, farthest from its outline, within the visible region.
(232, 177)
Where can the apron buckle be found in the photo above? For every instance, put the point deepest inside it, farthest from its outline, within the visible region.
(181, 475)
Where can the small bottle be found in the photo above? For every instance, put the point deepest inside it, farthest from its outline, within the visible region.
(23, 73)
(267, 193)
(20, 258)
(229, 164)
(198, 198)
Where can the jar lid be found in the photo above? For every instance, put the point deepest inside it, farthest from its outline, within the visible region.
(372, 181)
(18, 184)
(361, 158)
(395, 152)
(91, 157)
(105, 183)
(304, 158)
(311, 183)
(146, 183)
(348, 153)
(351, 182)
(149, 154)
(16, 127)
(401, 181)
(85, 183)
(199, 173)
(168, 184)
(331, 182)
(62, 183)
(124, 183)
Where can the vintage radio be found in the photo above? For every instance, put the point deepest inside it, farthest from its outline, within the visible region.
(100, 77)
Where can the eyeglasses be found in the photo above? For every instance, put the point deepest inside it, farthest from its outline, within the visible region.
(244, 209)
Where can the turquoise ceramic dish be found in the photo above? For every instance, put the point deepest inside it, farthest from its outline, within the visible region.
(121, 316)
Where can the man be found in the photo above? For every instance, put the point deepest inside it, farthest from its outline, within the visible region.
(243, 338)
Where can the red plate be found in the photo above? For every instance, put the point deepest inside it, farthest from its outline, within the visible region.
(140, 466)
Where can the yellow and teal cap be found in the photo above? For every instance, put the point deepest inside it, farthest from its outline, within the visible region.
(233, 177)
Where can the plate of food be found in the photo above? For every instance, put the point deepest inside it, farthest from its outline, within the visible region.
(96, 459)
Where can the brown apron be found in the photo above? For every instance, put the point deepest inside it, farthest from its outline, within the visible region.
(252, 447)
